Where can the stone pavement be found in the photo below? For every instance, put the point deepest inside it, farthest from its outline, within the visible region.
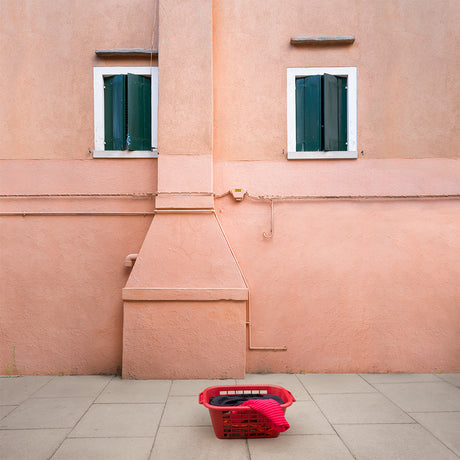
(336, 416)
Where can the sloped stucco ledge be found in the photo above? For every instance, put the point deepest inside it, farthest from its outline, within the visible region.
(185, 294)
(184, 310)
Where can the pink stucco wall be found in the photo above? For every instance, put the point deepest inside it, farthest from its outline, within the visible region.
(404, 54)
(184, 340)
(346, 284)
(404, 51)
(61, 308)
(61, 276)
(363, 285)
(349, 285)
(47, 59)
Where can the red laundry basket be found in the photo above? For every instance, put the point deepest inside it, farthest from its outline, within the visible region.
(235, 422)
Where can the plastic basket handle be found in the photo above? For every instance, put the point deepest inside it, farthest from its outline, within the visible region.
(201, 398)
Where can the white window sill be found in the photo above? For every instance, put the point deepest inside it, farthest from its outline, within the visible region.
(125, 153)
(331, 155)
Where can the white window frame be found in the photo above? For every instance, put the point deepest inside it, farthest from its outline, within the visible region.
(99, 73)
(352, 148)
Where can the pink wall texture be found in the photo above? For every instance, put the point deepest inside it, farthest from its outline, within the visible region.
(403, 51)
(47, 59)
(347, 284)
(62, 261)
(361, 272)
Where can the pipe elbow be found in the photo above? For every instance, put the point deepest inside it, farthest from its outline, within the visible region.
(130, 259)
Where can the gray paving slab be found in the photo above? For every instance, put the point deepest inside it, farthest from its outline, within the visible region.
(46, 413)
(288, 381)
(308, 447)
(30, 444)
(393, 441)
(5, 410)
(119, 420)
(360, 408)
(444, 425)
(104, 448)
(422, 397)
(195, 387)
(335, 383)
(399, 378)
(185, 411)
(114, 418)
(135, 391)
(179, 443)
(15, 390)
(73, 386)
(304, 417)
(453, 379)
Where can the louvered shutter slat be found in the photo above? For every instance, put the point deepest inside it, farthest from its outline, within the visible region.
(139, 113)
(313, 113)
(114, 112)
(331, 122)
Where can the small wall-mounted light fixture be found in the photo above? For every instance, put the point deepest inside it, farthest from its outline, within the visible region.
(238, 193)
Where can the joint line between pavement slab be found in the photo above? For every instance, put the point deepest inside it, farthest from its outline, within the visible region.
(78, 421)
(328, 421)
(161, 418)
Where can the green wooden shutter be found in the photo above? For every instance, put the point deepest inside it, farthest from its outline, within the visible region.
(335, 112)
(308, 113)
(342, 112)
(313, 112)
(331, 121)
(300, 114)
(139, 136)
(115, 112)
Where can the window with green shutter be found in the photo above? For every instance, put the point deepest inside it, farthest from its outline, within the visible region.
(321, 113)
(127, 112)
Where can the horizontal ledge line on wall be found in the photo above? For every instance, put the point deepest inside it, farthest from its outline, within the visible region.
(342, 197)
(186, 193)
(198, 294)
(184, 210)
(76, 213)
(128, 52)
(150, 195)
(358, 197)
(315, 41)
(146, 195)
(100, 195)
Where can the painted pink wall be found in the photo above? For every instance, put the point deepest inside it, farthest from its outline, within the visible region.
(185, 77)
(405, 57)
(404, 52)
(351, 287)
(184, 340)
(366, 285)
(61, 284)
(61, 277)
(185, 301)
(47, 58)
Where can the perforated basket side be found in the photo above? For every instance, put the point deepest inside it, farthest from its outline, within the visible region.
(242, 422)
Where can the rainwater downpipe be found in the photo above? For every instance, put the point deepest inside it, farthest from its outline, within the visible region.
(248, 309)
